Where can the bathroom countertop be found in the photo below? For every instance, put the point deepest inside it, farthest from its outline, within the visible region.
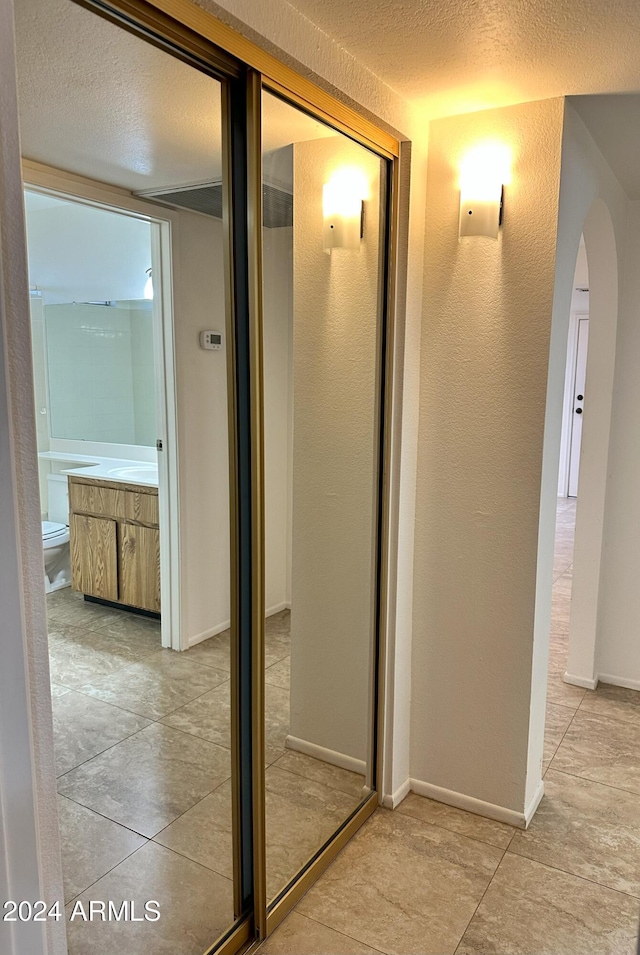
(118, 470)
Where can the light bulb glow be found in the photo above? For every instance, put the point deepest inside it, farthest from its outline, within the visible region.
(484, 170)
(344, 193)
(342, 198)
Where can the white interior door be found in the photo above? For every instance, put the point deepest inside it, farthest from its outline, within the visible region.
(577, 413)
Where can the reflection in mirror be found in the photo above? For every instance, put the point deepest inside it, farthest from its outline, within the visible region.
(101, 389)
(90, 268)
(142, 733)
(323, 270)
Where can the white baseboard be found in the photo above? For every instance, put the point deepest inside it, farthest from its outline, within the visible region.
(459, 801)
(530, 810)
(619, 681)
(214, 631)
(610, 678)
(277, 608)
(393, 800)
(582, 681)
(326, 755)
(201, 637)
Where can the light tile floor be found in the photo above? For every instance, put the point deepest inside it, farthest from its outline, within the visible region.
(142, 744)
(143, 741)
(431, 879)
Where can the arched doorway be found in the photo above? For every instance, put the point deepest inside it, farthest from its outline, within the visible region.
(600, 244)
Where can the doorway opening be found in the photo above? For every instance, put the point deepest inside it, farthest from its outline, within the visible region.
(560, 697)
(583, 466)
(103, 380)
(574, 407)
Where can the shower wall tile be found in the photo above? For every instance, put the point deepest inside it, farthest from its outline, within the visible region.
(101, 373)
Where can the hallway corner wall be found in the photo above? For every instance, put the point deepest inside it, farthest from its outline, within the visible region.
(485, 350)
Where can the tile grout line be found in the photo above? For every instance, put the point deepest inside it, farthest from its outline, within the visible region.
(308, 779)
(106, 676)
(454, 832)
(206, 796)
(154, 719)
(480, 901)
(108, 819)
(130, 736)
(317, 921)
(569, 724)
(92, 884)
(614, 719)
(588, 779)
(105, 750)
(574, 875)
(104, 874)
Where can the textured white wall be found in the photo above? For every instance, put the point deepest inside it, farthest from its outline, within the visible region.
(335, 312)
(203, 425)
(28, 812)
(485, 348)
(201, 388)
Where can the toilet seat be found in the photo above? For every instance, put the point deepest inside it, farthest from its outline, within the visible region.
(54, 534)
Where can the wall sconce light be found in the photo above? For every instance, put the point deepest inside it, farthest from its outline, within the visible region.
(483, 173)
(343, 209)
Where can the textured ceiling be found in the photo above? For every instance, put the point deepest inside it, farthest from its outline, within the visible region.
(101, 103)
(104, 104)
(458, 55)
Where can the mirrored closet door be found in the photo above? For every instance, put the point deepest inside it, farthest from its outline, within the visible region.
(210, 264)
(324, 226)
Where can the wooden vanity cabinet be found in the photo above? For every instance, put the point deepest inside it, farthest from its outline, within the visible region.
(115, 542)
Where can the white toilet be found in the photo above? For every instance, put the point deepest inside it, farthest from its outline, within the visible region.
(55, 536)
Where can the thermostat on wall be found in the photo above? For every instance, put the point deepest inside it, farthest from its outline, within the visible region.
(211, 340)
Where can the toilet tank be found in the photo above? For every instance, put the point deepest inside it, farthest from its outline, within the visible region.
(58, 498)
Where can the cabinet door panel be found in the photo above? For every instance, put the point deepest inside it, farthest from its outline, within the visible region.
(94, 556)
(140, 566)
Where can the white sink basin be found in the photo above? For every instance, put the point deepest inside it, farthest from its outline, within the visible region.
(139, 474)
